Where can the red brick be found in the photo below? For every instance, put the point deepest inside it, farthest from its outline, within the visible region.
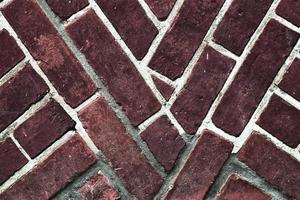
(43, 128)
(164, 142)
(19, 93)
(184, 37)
(254, 77)
(290, 10)
(11, 159)
(161, 8)
(201, 89)
(240, 22)
(10, 53)
(59, 169)
(271, 163)
(201, 168)
(44, 43)
(111, 137)
(239, 189)
(131, 22)
(113, 67)
(164, 88)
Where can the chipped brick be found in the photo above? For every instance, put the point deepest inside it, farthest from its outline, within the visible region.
(164, 88)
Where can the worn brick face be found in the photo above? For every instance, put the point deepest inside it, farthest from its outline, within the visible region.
(164, 88)
(161, 8)
(290, 10)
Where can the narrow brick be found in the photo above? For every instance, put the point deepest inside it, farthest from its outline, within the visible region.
(43, 128)
(111, 137)
(59, 169)
(161, 8)
(184, 37)
(254, 77)
(19, 93)
(201, 89)
(201, 168)
(163, 141)
(113, 67)
(131, 22)
(290, 10)
(164, 88)
(46, 46)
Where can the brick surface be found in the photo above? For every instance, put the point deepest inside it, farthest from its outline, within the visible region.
(164, 88)
(161, 8)
(111, 137)
(45, 45)
(43, 128)
(254, 77)
(290, 10)
(114, 68)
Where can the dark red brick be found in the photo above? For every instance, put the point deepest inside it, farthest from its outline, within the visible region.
(111, 137)
(290, 10)
(254, 77)
(113, 67)
(201, 89)
(201, 168)
(10, 53)
(59, 169)
(43, 128)
(240, 22)
(164, 142)
(271, 163)
(184, 37)
(164, 88)
(46, 46)
(161, 8)
(131, 22)
(19, 93)
(11, 159)
(239, 189)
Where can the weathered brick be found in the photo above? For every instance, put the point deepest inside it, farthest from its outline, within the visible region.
(201, 89)
(290, 10)
(240, 22)
(43, 128)
(113, 67)
(131, 22)
(10, 53)
(111, 137)
(161, 8)
(11, 159)
(184, 37)
(163, 141)
(46, 46)
(201, 168)
(254, 77)
(271, 163)
(165, 89)
(59, 169)
(19, 93)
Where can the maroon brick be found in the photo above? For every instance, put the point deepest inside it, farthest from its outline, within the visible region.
(46, 46)
(10, 53)
(43, 128)
(271, 163)
(201, 168)
(201, 89)
(161, 8)
(164, 88)
(113, 67)
(19, 93)
(111, 137)
(290, 10)
(59, 169)
(11, 159)
(254, 77)
(131, 22)
(164, 142)
(240, 22)
(184, 37)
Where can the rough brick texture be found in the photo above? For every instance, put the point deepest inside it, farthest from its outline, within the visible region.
(161, 8)
(290, 10)
(164, 88)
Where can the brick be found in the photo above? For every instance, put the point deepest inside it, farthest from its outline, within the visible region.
(113, 67)
(290, 10)
(19, 93)
(240, 22)
(164, 88)
(201, 168)
(46, 46)
(161, 8)
(11, 159)
(239, 189)
(131, 22)
(163, 141)
(111, 137)
(271, 163)
(43, 128)
(10, 53)
(184, 37)
(201, 89)
(54, 173)
(254, 77)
